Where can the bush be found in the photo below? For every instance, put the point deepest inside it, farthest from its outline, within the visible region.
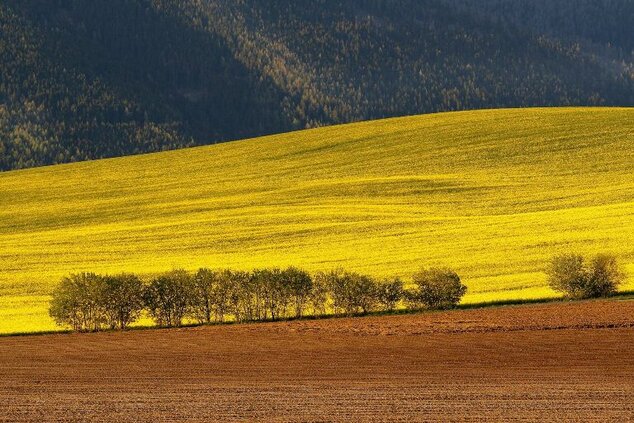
(572, 276)
(436, 288)
(211, 295)
(121, 299)
(169, 297)
(389, 293)
(77, 302)
(606, 275)
(333, 284)
(567, 274)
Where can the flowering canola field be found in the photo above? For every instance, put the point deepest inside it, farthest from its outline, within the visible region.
(493, 194)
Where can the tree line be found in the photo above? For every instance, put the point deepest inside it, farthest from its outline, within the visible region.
(91, 302)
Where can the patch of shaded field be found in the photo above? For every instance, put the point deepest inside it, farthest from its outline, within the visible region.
(549, 362)
(494, 194)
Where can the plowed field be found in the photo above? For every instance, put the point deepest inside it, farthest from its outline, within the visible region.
(548, 362)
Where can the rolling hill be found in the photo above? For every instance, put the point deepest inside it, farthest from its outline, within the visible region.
(492, 193)
(85, 79)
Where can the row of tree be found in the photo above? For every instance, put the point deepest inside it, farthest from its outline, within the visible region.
(88, 301)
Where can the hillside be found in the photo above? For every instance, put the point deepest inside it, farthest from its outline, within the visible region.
(87, 79)
(493, 193)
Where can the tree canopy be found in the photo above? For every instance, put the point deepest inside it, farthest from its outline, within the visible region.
(86, 79)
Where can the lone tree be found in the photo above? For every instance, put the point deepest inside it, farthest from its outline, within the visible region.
(169, 297)
(576, 279)
(122, 299)
(78, 302)
(436, 288)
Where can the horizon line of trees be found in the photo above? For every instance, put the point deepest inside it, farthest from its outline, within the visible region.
(91, 302)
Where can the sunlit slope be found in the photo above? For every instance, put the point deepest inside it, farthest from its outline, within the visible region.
(491, 193)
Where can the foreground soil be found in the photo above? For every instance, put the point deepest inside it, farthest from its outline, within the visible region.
(548, 362)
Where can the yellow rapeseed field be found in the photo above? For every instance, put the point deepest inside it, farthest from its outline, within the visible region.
(493, 194)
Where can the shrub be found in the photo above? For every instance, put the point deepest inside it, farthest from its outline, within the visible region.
(389, 293)
(77, 302)
(572, 276)
(606, 275)
(87, 301)
(436, 288)
(121, 299)
(169, 297)
(567, 274)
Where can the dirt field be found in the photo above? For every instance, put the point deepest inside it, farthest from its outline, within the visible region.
(552, 362)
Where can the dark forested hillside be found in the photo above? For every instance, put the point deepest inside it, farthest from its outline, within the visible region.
(84, 79)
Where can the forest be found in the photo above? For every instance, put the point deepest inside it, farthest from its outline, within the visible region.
(92, 79)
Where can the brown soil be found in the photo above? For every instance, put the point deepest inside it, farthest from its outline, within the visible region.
(551, 362)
